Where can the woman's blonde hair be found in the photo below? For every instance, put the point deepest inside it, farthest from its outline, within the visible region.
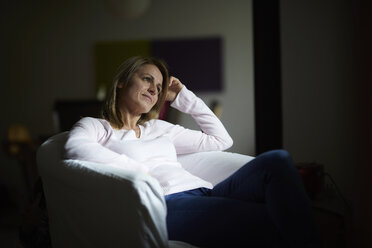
(124, 73)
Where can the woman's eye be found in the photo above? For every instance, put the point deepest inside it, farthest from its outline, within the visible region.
(147, 79)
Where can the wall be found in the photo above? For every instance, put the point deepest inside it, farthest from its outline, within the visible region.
(322, 90)
(363, 202)
(48, 55)
(319, 84)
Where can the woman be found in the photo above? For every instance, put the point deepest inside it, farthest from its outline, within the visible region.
(263, 204)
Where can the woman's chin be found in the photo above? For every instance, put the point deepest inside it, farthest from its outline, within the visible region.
(145, 111)
(145, 108)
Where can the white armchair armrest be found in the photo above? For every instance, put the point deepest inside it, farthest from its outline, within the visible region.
(90, 205)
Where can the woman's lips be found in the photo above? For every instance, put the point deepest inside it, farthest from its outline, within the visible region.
(149, 98)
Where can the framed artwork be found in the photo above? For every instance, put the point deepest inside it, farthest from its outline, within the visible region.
(195, 61)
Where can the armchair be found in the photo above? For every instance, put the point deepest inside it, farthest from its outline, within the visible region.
(90, 205)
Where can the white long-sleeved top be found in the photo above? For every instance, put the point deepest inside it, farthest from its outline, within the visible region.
(155, 151)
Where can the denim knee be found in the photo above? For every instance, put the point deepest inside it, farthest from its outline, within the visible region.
(280, 154)
(279, 160)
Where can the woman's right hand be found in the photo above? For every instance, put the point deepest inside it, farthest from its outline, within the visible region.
(174, 88)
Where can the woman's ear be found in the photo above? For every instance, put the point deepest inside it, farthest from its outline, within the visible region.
(120, 85)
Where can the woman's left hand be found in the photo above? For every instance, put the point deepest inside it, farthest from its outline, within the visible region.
(174, 88)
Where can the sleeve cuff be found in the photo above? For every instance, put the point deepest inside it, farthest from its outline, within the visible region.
(184, 99)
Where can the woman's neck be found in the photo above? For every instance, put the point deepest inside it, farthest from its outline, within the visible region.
(130, 121)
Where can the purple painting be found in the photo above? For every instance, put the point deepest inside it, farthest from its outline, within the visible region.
(196, 62)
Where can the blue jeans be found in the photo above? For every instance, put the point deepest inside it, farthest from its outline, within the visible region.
(263, 204)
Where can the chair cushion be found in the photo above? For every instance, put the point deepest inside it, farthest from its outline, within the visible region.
(213, 166)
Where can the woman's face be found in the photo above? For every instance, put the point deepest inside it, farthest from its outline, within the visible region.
(143, 90)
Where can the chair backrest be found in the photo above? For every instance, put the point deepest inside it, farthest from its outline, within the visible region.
(90, 205)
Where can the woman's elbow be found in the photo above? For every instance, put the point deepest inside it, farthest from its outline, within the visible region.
(226, 143)
(229, 143)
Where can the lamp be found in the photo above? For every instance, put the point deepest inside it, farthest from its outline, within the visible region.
(128, 9)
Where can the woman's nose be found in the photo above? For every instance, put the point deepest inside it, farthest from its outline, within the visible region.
(152, 89)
